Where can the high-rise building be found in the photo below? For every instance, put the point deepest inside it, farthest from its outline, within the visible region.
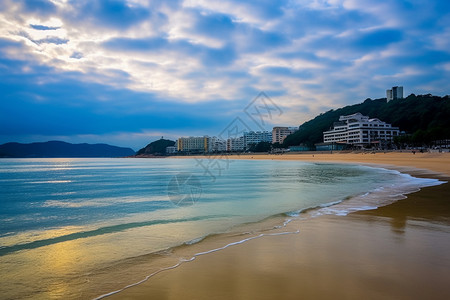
(280, 133)
(395, 93)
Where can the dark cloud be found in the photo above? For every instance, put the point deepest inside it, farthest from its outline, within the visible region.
(52, 40)
(42, 27)
(47, 40)
(77, 55)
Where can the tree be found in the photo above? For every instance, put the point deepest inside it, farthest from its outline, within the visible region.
(261, 147)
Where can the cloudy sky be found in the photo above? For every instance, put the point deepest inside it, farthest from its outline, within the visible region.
(129, 72)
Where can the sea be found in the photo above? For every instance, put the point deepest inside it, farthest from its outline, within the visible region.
(86, 228)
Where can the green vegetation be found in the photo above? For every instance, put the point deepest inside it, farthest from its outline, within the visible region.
(156, 148)
(260, 147)
(424, 118)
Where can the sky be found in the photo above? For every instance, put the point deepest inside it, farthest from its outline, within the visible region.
(128, 72)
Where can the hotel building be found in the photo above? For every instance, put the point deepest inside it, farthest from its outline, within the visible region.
(280, 133)
(359, 130)
(193, 144)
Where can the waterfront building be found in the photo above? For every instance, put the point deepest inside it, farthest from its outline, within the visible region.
(359, 130)
(331, 146)
(193, 144)
(300, 148)
(395, 93)
(280, 133)
(217, 145)
(255, 137)
(171, 149)
(236, 144)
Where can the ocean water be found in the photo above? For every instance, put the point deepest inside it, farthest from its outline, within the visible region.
(66, 225)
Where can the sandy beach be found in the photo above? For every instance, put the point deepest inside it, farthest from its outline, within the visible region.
(399, 251)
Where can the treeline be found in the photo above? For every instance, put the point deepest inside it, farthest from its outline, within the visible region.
(424, 119)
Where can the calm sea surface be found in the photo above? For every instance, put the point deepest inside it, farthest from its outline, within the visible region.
(64, 222)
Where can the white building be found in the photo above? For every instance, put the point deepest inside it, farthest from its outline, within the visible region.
(236, 144)
(193, 144)
(255, 137)
(280, 133)
(395, 93)
(217, 145)
(171, 149)
(359, 130)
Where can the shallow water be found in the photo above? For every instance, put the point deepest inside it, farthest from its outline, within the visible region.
(67, 224)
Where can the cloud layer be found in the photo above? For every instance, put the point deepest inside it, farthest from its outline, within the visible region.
(108, 68)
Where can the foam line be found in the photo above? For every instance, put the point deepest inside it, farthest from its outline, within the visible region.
(193, 258)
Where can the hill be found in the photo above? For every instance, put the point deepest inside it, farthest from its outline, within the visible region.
(62, 149)
(156, 148)
(424, 118)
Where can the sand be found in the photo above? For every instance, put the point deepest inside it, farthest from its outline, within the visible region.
(400, 251)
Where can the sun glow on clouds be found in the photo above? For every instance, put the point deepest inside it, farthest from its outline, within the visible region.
(134, 57)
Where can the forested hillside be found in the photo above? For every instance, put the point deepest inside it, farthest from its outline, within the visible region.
(156, 148)
(424, 118)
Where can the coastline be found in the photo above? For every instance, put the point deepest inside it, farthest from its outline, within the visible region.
(398, 251)
(401, 161)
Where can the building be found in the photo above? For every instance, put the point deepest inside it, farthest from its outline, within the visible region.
(255, 137)
(193, 144)
(331, 146)
(236, 144)
(359, 130)
(280, 133)
(216, 145)
(171, 150)
(395, 93)
(300, 148)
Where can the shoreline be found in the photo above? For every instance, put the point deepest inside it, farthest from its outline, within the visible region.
(162, 285)
(434, 162)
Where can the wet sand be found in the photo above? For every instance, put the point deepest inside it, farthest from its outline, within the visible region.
(400, 251)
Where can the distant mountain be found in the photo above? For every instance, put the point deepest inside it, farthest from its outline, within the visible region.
(62, 149)
(424, 118)
(156, 148)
